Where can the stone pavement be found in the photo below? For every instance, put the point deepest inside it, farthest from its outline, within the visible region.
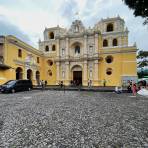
(74, 119)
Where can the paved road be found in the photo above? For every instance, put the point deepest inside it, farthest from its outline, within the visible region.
(52, 119)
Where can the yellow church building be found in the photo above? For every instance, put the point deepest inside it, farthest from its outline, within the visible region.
(76, 54)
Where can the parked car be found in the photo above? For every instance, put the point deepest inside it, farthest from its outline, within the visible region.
(16, 85)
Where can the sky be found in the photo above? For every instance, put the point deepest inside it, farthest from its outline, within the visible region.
(27, 19)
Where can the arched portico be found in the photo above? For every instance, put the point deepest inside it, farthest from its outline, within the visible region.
(29, 74)
(38, 77)
(19, 73)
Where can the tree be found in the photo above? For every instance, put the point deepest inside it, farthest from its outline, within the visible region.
(142, 58)
(140, 8)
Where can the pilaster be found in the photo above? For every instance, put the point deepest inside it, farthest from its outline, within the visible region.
(85, 46)
(67, 48)
(85, 73)
(58, 73)
(96, 43)
(96, 73)
(58, 48)
(67, 81)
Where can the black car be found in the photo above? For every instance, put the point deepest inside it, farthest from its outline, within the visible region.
(16, 85)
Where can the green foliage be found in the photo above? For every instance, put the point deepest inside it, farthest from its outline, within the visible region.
(142, 54)
(142, 57)
(140, 8)
(143, 63)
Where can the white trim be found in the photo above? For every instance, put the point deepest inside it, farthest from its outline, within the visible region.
(124, 75)
(129, 61)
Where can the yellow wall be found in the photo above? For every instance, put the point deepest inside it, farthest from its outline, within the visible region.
(114, 78)
(124, 63)
(51, 79)
(129, 64)
(11, 55)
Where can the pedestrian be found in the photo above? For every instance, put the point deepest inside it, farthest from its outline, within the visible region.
(104, 83)
(118, 89)
(61, 84)
(129, 87)
(134, 89)
(45, 83)
(42, 84)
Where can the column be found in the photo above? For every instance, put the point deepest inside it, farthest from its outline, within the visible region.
(34, 76)
(85, 74)
(120, 41)
(58, 73)
(96, 43)
(110, 42)
(85, 46)
(25, 73)
(58, 47)
(67, 48)
(67, 80)
(96, 73)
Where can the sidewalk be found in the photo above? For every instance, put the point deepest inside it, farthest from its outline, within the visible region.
(82, 88)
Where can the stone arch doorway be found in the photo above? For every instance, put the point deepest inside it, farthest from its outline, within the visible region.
(77, 74)
(29, 74)
(38, 77)
(19, 73)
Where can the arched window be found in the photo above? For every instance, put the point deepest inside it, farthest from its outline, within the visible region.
(77, 49)
(105, 43)
(51, 35)
(20, 53)
(115, 42)
(46, 48)
(53, 47)
(110, 27)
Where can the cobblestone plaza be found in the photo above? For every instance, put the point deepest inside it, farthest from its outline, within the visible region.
(74, 119)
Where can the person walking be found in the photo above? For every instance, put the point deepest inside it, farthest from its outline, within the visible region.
(61, 84)
(104, 83)
(42, 84)
(45, 83)
(129, 87)
(134, 89)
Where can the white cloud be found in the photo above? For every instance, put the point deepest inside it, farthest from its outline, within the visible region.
(32, 16)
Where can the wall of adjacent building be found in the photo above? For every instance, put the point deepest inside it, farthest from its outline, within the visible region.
(123, 64)
(11, 59)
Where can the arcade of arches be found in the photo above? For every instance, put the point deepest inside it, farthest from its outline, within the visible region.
(20, 74)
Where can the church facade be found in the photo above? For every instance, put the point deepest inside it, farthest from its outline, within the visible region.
(79, 54)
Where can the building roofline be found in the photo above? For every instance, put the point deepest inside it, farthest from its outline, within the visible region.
(22, 44)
